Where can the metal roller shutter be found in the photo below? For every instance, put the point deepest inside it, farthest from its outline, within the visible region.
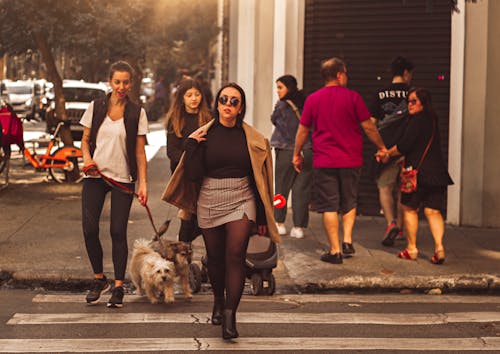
(368, 34)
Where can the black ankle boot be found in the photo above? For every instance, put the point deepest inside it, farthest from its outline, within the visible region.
(229, 324)
(217, 311)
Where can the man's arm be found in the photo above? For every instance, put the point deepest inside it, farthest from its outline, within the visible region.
(372, 133)
(300, 140)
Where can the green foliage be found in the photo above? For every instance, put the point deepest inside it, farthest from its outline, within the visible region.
(58, 21)
(165, 34)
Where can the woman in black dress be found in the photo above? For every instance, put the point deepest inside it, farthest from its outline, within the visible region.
(432, 179)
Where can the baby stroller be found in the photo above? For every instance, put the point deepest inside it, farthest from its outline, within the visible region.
(262, 258)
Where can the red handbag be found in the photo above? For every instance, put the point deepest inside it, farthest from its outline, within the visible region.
(408, 180)
(408, 176)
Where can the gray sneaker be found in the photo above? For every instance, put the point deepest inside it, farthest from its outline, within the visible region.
(98, 287)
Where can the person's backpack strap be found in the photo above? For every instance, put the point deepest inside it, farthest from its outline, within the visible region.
(400, 112)
(294, 107)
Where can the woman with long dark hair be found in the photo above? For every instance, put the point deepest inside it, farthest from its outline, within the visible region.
(231, 164)
(285, 118)
(187, 113)
(114, 136)
(421, 145)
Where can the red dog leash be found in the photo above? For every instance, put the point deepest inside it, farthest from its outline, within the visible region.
(112, 183)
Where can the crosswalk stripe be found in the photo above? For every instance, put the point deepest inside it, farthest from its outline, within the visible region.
(258, 317)
(80, 298)
(253, 344)
(305, 298)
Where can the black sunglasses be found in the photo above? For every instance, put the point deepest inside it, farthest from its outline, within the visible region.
(233, 101)
(412, 101)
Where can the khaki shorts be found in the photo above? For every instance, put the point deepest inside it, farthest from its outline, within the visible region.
(389, 176)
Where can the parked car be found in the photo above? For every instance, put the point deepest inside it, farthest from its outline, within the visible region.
(21, 96)
(78, 95)
(26, 97)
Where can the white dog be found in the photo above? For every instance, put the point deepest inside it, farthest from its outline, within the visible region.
(151, 273)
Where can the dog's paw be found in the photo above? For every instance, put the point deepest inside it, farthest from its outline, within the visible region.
(169, 300)
(154, 300)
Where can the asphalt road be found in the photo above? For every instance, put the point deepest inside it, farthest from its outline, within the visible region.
(32, 321)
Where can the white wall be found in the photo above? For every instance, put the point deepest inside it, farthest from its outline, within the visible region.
(265, 42)
(456, 112)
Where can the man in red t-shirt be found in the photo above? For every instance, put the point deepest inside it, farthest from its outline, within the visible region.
(335, 113)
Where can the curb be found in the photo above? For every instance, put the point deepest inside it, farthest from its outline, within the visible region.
(480, 283)
(484, 283)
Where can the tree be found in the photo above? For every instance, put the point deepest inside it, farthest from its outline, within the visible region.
(49, 25)
(182, 32)
(94, 33)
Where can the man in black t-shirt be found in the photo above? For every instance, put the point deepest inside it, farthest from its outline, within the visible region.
(389, 112)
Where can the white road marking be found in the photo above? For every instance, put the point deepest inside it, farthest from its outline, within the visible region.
(250, 344)
(306, 298)
(259, 317)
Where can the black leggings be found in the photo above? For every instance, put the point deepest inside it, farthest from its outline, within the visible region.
(93, 194)
(226, 252)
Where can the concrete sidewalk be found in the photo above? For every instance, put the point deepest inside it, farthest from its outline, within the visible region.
(41, 244)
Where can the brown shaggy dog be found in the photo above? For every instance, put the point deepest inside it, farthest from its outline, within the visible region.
(152, 274)
(178, 252)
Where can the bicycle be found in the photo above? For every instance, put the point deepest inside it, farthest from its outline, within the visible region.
(58, 161)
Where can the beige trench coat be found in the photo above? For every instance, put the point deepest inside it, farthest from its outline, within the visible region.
(184, 193)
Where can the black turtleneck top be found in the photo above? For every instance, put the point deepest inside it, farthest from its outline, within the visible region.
(223, 155)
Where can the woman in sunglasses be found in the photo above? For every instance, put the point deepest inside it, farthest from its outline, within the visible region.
(232, 162)
(188, 112)
(421, 146)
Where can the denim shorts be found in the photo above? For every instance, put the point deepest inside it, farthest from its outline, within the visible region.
(335, 189)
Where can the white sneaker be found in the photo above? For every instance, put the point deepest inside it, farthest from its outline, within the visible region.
(281, 229)
(297, 232)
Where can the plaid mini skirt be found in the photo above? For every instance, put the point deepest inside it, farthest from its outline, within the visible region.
(222, 200)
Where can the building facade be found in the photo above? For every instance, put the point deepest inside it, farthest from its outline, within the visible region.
(455, 52)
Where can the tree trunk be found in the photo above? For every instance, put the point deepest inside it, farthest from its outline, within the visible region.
(60, 102)
(55, 78)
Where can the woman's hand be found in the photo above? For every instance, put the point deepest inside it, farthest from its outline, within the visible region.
(142, 194)
(382, 155)
(198, 135)
(90, 168)
(262, 230)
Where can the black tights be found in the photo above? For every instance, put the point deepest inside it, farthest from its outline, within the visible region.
(226, 252)
(93, 195)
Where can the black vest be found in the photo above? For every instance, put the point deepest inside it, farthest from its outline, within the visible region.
(131, 121)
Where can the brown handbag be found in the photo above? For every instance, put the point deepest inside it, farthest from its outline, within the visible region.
(180, 191)
(408, 176)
